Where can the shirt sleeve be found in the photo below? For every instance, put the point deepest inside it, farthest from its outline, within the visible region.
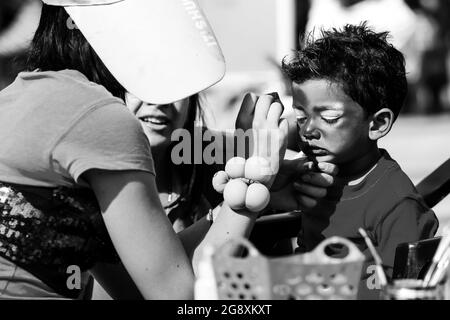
(107, 137)
(409, 221)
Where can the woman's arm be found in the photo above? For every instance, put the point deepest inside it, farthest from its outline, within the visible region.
(149, 249)
(112, 281)
(228, 225)
(142, 235)
(268, 140)
(193, 235)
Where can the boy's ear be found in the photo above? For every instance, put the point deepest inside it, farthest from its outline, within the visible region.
(381, 124)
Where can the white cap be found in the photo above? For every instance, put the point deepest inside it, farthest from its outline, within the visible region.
(160, 50)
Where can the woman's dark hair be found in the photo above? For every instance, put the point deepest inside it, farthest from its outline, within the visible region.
(369, 69)
(59, 45)
(193, 176)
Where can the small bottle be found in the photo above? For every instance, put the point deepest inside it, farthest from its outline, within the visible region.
(447, 285)
(205, 284)
(412, 289)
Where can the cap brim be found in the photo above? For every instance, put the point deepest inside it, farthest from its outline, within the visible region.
(160, 50)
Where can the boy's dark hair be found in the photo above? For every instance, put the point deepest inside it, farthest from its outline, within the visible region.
(370, 70)
(56, 47)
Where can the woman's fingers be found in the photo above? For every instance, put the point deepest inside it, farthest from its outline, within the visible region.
(269, 134)
(246, 112)
(261, 110)
(279, 149)
(274, 114)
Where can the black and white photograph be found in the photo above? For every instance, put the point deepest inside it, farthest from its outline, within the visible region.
(224, 155)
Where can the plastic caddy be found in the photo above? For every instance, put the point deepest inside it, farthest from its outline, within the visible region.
(252, 276)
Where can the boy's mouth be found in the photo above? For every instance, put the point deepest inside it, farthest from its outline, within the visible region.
(319, 152)
(314, 151)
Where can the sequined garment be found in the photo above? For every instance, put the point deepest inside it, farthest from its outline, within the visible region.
(46, 230)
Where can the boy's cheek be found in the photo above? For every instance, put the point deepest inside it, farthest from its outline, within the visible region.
(340, 149)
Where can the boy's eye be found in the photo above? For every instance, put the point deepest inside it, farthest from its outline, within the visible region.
(301, 119)
(330, 116)
(300, 116)
(330, 120)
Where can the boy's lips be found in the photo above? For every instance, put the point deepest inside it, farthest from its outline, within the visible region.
(315, 151)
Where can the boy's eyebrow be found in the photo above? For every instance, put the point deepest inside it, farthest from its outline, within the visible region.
(319, 108)
(327, 107)
(298, 106)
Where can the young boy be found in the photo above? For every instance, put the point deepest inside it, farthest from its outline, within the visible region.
(348, 89)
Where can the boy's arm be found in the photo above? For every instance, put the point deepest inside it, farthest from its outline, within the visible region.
(408, 221)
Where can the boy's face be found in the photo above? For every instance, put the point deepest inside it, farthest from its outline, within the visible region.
(332, 127)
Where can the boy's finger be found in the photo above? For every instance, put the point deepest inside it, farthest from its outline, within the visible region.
(328, 168)
(292, 167)
(319, 179)
(306, 202)
(262, 109)
(310, 190)
(308, 166)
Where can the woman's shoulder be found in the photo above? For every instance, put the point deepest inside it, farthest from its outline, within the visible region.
(67, 84)
(62, 96)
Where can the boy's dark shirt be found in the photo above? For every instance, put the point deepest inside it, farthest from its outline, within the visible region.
(385, 204)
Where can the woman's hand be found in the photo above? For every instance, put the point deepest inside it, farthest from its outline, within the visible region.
(260, 119)
(296, 184)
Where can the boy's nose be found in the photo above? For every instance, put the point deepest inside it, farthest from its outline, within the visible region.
(309, 131)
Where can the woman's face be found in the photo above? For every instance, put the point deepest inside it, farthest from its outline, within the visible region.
(159, 121)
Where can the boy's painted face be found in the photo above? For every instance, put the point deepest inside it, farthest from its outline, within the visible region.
(332, 127)
(159, 121)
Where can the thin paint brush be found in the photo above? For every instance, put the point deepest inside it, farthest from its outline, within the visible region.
(441, 268)
(443, 245)
(378, 262)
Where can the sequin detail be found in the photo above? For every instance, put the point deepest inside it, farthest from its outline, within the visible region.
(52, 229)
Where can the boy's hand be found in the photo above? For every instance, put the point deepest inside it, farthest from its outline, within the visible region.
(308, 188)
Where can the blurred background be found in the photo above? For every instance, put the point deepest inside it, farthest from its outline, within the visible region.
(256, 34)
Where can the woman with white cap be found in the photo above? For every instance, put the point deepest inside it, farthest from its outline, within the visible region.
(65, 132)
(70, 150)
